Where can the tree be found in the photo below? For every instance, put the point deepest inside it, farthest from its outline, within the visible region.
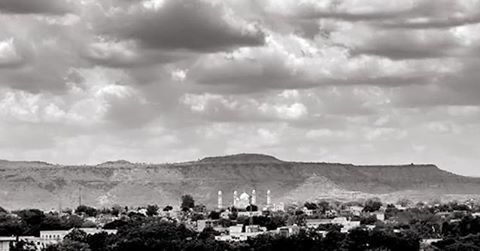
(369, 220)
(116, 209)
(115, 224)
(196, 217)
(310, 205)
(404, 202)
(101, 241)
(372, 205)
(89, 211)
(187, 202)
(10, 225)
(3, 211)
(77, 235)
(214, 215)
(323, 206)
(200, 208)
(22, 246)
(357, 239)
(33, 219)
(207, 233)
(251, 207)
(152, 210)
(167, 208)
(69, 245)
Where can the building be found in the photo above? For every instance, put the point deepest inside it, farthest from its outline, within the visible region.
(236, 233)
(249, 213)
(5, 242)
(225, 214)
(220, 200)
(243, 200)
(280, 207)
(308, 212)
(235, 199)
(287, 231)
(202, 224)
(269, 199)
(315, 223)
(347, 225)
(56, 235)
(380, 215)
(253, 200)
(48, 237)
(356, 210)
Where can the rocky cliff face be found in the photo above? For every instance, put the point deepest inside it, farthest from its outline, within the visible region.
(39, 184)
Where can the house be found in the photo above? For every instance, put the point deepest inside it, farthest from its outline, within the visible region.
(249, 213)
(280, 207)
(235, 229)
(202, 224)
(287, 231)
(225, 214)
(339, 220)
(49, 237)
(314, 223)
(308, 212)
(355, 210)
(347, 224)
(235, 233)
(54, 235)
(380, 215)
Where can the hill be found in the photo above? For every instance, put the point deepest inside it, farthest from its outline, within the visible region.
(43, 185)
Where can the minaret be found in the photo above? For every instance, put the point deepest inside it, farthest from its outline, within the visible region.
(254, 198)
(269, 199)
(235, 198)
(220, 201)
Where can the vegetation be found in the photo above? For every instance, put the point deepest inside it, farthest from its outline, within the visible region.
(187, 202)
(154, 234)
(148, 229)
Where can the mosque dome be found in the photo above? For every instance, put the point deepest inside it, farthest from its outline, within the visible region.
(244, 196)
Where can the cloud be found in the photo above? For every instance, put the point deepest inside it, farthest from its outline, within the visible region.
(50, 7)
(182, 25)
(342, 81)
(9, 56)
(422, 14)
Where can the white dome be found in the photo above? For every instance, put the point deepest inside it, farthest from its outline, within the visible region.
(244, 196)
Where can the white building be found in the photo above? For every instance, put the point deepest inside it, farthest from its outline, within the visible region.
(315, 223)
(5, 242)
(235, 233)
(249, 213)
(49, 237)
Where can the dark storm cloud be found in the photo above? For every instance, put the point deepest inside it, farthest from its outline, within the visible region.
(408, 45)
(459, 89)
(43, 54)
(189, 25)
(420, 15)
(53, 7)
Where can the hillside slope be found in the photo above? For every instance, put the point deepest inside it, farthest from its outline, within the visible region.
(39, 184)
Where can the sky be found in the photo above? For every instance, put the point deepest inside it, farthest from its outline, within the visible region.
(363, 82)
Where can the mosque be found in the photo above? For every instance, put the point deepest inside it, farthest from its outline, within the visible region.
(244, 199)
